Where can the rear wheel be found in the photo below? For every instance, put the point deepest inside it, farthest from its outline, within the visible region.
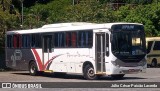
(33, 70)
(119, 76)
(89, 73)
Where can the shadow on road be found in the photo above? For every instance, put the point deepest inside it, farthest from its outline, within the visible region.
(77, 77)
(21, 73)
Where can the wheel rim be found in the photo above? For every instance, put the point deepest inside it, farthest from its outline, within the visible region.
(91, 72)
(32, 69)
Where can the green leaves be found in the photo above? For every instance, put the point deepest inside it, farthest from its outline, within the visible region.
(37, 14)
(146, 12)
(149, 15)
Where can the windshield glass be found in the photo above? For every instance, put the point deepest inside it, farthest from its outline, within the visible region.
(128, 42)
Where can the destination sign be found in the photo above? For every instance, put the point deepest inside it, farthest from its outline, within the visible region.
(121, 27)
(128, 27)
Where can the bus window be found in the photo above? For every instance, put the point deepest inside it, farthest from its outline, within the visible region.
(81, 39)
(25, 41)
(59, 40)
(38, 40)
(107, 44)
(149, 46)
(90, 38)
(16, 41)
(157, 45)
(9, 41)
(33, 40)
(68, 39)
(85, 39)
(74, 39)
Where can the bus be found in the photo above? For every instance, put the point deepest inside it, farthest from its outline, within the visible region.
(153, 51)
(90, 49)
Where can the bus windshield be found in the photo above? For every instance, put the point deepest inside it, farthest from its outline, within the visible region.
(128, 43)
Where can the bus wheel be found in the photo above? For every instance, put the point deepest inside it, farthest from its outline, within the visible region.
(33, 69)
(119, 76)
(89, 73)
(154, 63)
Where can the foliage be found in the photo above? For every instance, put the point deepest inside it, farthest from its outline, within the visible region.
(147, 15)
(40, 12)
(7, 22)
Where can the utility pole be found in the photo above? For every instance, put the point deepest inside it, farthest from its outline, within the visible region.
(73, 2)
(22, 14)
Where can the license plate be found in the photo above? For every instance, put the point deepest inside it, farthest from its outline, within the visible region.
(130, 71)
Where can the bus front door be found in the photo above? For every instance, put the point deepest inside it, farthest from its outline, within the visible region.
(100, 52)
(47, 50)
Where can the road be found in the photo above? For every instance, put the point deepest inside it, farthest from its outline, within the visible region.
(152, 75)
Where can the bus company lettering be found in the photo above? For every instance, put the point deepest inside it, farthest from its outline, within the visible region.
(17, 55)
(127, 27)
(76, 55)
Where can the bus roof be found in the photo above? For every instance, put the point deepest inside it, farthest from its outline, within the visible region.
(67, 27)
(59, 25)
(152, 38)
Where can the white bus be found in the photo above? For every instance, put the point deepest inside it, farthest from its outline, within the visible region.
(82, 48)
(153, 51)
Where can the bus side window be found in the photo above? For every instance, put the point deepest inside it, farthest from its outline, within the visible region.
(59, 40)
(38, 40)
(90, 38)
(68, 39)
(16, 41)
(74, 39)
(149, 46)
(85, 39)
(20, 41)
(55, 40)
(157, 45)
(80, 39)
(9, 41)
(33, 40)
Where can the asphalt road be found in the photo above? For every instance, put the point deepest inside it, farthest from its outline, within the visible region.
(152, 75)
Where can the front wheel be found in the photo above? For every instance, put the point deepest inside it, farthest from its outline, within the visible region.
(33, 70)
(119, 76)
(89, 73)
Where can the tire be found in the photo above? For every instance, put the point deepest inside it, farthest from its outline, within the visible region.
(117, 77)
(154, 63)
(33, 70)
(89, 73)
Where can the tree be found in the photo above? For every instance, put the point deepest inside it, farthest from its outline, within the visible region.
(147, 15)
